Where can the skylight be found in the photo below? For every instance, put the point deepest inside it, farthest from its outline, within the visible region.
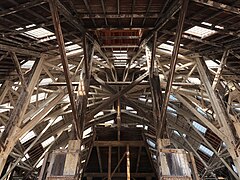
(70, 46)
(199, 127)
(200, 32)
(120, 51)
(166, 47)
(45, 81)
(5, 107)
(211, 64)
(86, 133)
(234, 168)
(151, 143)
(47, 141)
(39, 33)
(129, 108)
(99, 114)
(40, 97)
(25, 157)
(27, 65)
(27, 137)
(176, 132)
(2, 128)
(109, 122)
(39, 164)
(58, 119)
(205, 150)
(194, 80)
(172, 111)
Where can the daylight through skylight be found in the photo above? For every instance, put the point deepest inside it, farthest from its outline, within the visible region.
(200, 32)
(205, 150)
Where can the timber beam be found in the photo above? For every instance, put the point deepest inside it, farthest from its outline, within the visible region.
(219, 6)
(118, 143)
(161, 131)
(122, 175)
(60, 40)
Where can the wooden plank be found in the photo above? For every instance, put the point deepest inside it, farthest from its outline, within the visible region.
(220, 69)
(123, 175)
(27, 52)
(18, 68)
(118, 143)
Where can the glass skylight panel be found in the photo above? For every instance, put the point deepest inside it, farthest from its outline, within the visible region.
(86, 133)
(2, 128)
(211, 64)
(194, 80)
(58, 119)
(234, 168)
(201, 111)
(45, 81)
(69, 46)
(142, 99)
(129, 108)
(28, 136)
(176, 132)
(25, 157)
(199, 127)
(166, 47)
(109, 122)
(200, 31)
(28, 65)
(151, 143)
(39, 164)
(99, 114)
(120, 51)
(5, 107)
(40, 97)
(47, 142)
(172, 111)
(39, 33)
(172, 98)
(205, 150)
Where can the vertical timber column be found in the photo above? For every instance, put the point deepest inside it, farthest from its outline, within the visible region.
(128, 164)
(9, 136)
(109, 162)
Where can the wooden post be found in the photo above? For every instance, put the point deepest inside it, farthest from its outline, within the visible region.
(195, 171)
(72, 158)
(128, 164)
(109, 162)
(99, 159)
